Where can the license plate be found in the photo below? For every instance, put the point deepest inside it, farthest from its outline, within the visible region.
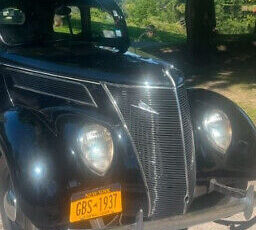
(95, 203)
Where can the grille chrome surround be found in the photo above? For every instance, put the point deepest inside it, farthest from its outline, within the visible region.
(112, 99)
(160, 140)
(189, 146)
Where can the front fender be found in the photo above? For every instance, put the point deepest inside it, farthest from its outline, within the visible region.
(32, 151)
(240, 159)
(46, 168)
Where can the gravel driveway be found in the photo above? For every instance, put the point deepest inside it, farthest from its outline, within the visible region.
(235, 223)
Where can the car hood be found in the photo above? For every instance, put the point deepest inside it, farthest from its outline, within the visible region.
(92, 64)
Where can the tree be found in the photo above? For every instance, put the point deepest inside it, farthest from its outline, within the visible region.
(200, 23)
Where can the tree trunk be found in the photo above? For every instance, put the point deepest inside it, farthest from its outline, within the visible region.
(200, 21)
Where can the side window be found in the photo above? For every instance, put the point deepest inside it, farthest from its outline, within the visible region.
(103, 24)
(12, 16)
(67, 20)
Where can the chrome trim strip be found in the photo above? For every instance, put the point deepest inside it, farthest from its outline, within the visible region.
(7, 90)
(10, 205)
(193, 157)
(22, 69)
(3, 41)
(183, 140)
(142, 86)
(105, 87)
(18, 69)
(7, 44)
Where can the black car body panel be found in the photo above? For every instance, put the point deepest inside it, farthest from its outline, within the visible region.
(51, 90)
(86, 63)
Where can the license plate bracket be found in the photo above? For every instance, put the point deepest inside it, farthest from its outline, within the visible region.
(96, 203)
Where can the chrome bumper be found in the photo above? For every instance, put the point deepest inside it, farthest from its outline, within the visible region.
(241, 201)
(234, 206)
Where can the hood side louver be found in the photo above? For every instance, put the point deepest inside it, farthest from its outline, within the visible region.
(50, 86)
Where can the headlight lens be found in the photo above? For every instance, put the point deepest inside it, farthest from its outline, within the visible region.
(97, 148)
(218, 129)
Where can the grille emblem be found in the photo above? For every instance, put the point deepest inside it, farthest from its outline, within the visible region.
(145, 107)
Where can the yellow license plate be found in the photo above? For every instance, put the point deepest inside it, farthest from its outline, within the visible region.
(95, 204)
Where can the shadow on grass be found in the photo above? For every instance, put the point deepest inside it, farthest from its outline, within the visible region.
(233, 63)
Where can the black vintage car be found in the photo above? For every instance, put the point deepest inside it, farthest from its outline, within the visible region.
(92, 136)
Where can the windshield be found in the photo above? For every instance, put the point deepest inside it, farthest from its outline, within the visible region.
(42, 21)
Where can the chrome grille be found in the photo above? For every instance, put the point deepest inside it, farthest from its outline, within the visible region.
(161, 143)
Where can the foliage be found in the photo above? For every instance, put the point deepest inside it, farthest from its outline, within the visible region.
(232, 18)
(143, 12)
(98, 15)
(168, 15)
(164, 15)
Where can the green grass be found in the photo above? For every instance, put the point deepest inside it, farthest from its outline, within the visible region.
(162, 36)
(250, 110)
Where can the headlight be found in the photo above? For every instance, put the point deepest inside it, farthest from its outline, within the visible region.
(97, 148)
(218, 130)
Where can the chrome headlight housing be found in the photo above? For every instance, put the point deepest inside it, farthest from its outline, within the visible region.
(97, 148)
(218, 130)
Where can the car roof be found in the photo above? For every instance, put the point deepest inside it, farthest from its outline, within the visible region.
(31, 3)
(39, 16)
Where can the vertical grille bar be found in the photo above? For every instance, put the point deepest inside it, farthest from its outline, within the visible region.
(160, 141)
